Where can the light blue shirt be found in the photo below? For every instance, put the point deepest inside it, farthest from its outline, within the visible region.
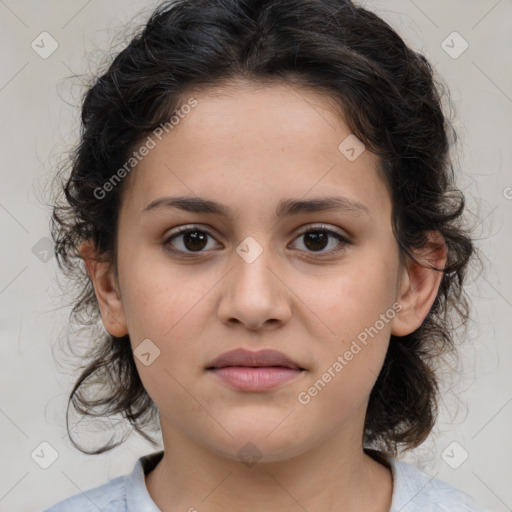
(413, 491)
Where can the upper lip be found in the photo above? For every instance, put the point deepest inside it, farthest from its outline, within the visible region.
(243, 357)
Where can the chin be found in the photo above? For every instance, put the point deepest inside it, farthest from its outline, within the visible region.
(260, 442)
(255, 452)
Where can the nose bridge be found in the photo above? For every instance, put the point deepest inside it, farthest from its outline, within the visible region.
(252, 294)
(252, 260)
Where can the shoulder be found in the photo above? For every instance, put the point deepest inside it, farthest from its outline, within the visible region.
(122, 494)
(416, 491)
(109, 497)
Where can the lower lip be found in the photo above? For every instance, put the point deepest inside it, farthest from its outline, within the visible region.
(255, 379)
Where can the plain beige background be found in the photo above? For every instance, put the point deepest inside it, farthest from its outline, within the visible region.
(39, 121)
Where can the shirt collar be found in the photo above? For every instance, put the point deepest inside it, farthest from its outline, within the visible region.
(137, 495)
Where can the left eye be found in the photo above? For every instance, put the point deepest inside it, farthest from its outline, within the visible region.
(317, 240)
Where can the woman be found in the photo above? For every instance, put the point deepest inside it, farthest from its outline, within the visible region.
(263, 201)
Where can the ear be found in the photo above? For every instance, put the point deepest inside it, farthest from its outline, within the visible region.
(419, 284)
(106, 288)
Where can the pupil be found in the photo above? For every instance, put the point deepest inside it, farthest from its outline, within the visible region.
(318, 238)
(194, 240)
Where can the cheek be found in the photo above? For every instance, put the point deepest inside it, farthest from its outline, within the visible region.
(156, 295)
(355, 307)
(171, 310)
(354, 295)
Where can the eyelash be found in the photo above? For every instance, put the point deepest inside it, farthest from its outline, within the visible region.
(316, 228)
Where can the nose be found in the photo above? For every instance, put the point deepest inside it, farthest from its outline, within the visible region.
(254, 293)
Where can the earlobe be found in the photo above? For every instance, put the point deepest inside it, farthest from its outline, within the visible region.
(419, 285)
(102, 275)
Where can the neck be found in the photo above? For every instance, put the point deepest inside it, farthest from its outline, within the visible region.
(327, 478)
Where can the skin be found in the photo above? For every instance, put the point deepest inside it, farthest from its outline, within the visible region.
(249, 147)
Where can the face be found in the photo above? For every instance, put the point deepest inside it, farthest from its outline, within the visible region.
(309, 282)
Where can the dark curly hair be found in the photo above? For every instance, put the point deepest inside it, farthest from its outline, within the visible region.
(388, 95)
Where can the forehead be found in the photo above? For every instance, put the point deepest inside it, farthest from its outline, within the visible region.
(244, 141)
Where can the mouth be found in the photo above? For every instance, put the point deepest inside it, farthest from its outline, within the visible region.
(246, 370)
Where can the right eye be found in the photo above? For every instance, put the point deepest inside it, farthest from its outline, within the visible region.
(188, 240)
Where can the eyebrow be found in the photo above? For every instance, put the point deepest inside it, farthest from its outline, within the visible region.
(285, 208)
